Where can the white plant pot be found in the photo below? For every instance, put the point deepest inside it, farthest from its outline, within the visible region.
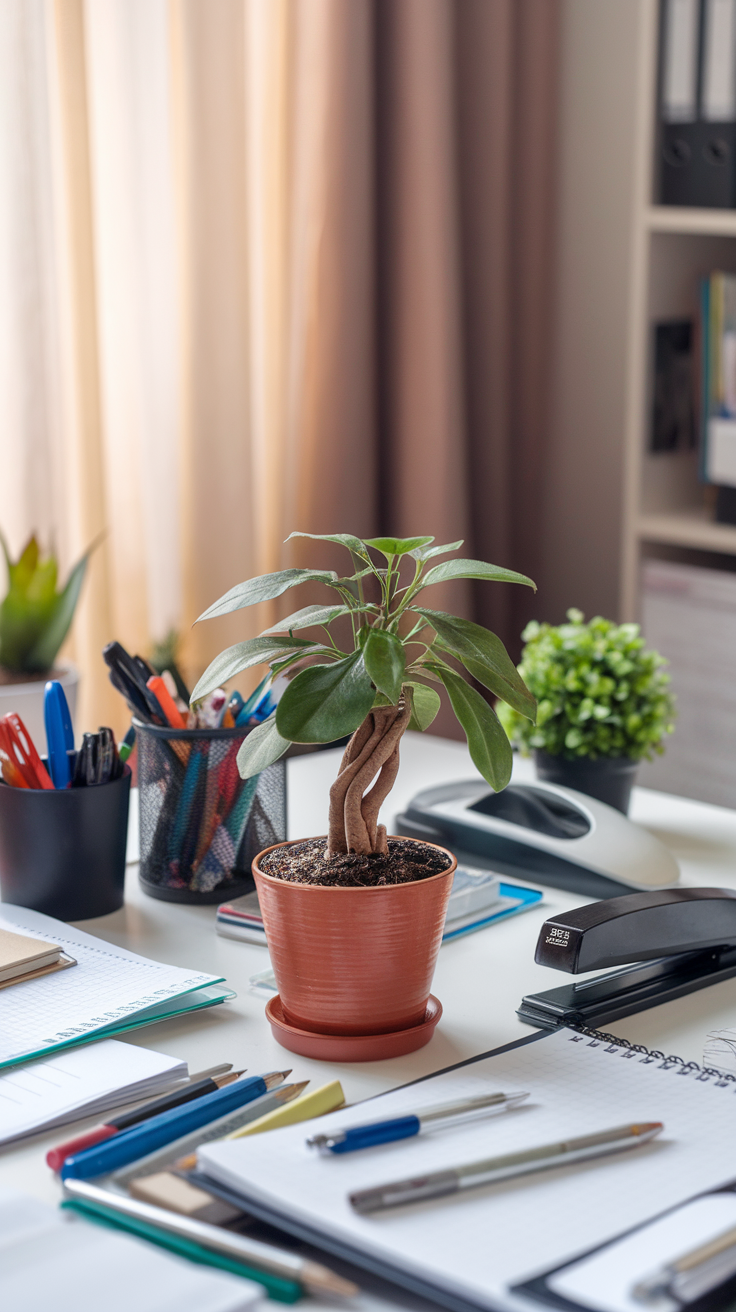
(26, 699)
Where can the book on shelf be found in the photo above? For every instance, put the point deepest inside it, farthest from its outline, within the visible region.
(673, 418)
(718, 390)
(696, 131)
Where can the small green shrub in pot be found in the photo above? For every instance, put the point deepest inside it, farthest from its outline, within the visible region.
(603, 704)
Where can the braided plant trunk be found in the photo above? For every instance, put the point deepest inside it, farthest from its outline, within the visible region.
(372, 751)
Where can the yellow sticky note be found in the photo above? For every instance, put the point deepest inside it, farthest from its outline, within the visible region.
(316, 1103)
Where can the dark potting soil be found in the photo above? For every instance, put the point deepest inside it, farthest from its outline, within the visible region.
(305, 863)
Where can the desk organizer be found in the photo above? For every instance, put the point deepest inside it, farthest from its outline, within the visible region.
(62, 851)
(201, 825)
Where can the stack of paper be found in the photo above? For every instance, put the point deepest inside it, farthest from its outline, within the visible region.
(109, 991)
(241, 919)
(87, 1082)
(47, 1257)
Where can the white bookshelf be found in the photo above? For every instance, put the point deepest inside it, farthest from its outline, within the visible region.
(622, 263)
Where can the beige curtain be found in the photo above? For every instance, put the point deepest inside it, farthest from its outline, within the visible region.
(270, 264)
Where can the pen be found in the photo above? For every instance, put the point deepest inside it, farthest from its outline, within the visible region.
(184, 1158)
(312, 1276)
(56, 1157)
(438, 1184)
(127, 745)
(159, 1130)
(405, 1127)
(59, 733)
(694, 1273)
(173, 715)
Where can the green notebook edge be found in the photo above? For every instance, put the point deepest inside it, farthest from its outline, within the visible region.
(284, 1291)
(133, 1022)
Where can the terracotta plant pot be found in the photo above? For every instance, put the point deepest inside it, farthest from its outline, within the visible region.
(354, 960)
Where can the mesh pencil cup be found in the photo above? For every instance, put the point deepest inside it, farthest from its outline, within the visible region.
(62, 850)
(200, 823)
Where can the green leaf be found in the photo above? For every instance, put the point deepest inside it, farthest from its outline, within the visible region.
(390, 547)
(43, 654)
(325, 702)
(425, 703)
(490, 749)
(472, 569)
(343, 539)
(264, 588)
(261, 748)
(256, 651)
(21, 573)
(484, 656)
(307, 616)
(385, 662)
(425, 553)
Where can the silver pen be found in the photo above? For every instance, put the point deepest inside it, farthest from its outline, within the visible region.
(412, 1123)
(694, 1273)
(471, 1174)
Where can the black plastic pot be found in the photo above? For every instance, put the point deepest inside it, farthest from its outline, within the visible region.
(62, 852)
(609, 778)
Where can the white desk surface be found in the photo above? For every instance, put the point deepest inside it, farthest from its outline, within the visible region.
(480, 979)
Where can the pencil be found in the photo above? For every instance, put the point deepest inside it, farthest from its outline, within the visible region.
(312, 1276)
(56, 1157)
(316, 1103)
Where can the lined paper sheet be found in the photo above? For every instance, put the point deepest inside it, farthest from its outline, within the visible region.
(49, 1259)
(82, 1082)
(480, 1242)
(107, 986)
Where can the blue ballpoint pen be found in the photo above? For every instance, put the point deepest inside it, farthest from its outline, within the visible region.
(405, 1127)
(59, 733)
(129, 1145)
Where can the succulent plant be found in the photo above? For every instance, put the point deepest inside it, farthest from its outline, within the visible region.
(35, 616)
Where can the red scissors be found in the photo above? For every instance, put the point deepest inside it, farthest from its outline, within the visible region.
(18, 745)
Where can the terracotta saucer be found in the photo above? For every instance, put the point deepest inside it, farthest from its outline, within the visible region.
(352, 1047)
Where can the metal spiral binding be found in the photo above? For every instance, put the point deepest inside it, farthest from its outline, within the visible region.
(686, 1067)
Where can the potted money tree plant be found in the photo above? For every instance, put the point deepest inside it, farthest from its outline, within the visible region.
(354, 920)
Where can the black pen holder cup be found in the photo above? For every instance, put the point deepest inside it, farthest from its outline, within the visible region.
(62, 852)
(201, 824)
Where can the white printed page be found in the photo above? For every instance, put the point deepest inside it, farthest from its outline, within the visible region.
(481, 1241)
(78, 1082)
(106, 987)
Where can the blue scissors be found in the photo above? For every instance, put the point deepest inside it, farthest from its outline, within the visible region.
(59, 733)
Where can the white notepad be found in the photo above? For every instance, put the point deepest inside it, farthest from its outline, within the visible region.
(49, 1259)
(41, 1095)
(107, 987)
(479, 1243)
(604, 1281)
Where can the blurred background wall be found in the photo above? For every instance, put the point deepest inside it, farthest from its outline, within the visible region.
(271, 265)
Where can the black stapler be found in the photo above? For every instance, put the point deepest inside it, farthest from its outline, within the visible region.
(686, 935)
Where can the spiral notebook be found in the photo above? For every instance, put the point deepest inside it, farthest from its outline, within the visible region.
(469, 1250)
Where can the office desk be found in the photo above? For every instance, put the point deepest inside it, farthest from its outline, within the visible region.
(493, 968)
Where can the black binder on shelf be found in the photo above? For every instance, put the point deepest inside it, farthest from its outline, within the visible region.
(696, 138)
